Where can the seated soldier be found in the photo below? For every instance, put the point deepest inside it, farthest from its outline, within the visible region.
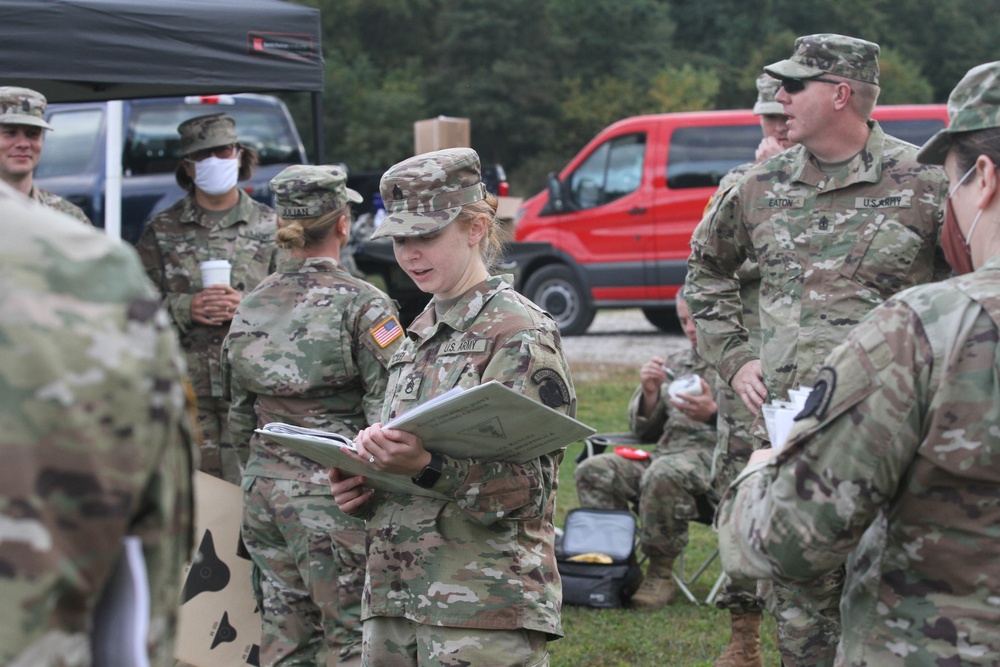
(663, 486)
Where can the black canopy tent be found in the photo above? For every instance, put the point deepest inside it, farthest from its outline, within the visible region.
(86, 50)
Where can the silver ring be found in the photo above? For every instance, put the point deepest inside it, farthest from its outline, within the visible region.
(371, 459)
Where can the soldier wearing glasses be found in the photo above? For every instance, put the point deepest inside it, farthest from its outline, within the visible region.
(838, 224)
(215, 220)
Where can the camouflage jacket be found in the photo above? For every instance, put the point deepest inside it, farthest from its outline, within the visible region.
(95, 436)
(670, 428)
(302, 350)
(485, 558)
(57, 203)
(897, 470)
(735, 419)
(174, 243)
(830, 248)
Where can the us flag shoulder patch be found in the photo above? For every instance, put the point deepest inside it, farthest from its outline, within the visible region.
(387, 331)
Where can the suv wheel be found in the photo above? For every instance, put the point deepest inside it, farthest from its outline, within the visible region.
(556, 290)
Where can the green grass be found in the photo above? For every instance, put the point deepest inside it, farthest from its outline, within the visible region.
(680, 635)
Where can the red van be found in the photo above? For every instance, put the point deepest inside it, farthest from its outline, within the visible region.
(619, 217)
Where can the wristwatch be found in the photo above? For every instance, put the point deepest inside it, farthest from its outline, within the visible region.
(429, 476)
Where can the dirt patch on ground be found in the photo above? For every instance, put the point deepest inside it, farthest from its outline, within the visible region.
(617, 340)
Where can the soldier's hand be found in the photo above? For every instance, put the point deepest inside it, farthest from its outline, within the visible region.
(769, 147)
(699, 407)
(228, 301)
(748, 383)
(652, 375)
(348, 492)
(392, 450)
(214, 306)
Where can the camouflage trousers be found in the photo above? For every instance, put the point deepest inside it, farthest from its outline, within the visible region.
(308, 570)
(399, 642)
(735, 595)
(662, 490)
(808, 618)
(219, 456)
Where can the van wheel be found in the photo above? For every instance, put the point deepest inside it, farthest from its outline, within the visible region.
(556, 290)
(664, 319)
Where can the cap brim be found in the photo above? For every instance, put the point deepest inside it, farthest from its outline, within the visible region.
(789, 69)
(16, 119)
(406, 223)
(936, 148)
(768, 108)
(202, 145)
(353, 196)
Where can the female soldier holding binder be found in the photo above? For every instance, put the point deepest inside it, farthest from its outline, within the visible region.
(471, 579)
(307, 347)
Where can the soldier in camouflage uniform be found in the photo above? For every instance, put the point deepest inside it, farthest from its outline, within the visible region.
(471, 580)
(306, 347)
(837, 224)
(894, 464)
(736, 442)
(664, 487)
(96, 436)
(216, 220)
(22, 133)
(772, 124)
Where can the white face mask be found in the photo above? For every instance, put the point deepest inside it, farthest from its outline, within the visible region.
(216, 176)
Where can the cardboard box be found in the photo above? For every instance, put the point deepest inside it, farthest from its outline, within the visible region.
(219, 623)
(435, 134)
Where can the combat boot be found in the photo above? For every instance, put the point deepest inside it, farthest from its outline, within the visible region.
(657, 589)
(744, 644)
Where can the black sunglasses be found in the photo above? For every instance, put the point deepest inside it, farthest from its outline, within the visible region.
(793, 86)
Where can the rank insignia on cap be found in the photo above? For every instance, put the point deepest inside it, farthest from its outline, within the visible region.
(387, 331)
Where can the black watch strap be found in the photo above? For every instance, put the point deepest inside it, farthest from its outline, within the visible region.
(429, 476)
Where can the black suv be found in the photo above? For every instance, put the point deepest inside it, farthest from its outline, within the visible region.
(72, 163)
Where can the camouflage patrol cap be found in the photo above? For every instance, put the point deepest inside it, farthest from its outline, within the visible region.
(973, 105)
(308, 191)
(201, 132)
(22, 106)
(426, 192)
(816, 55)
(767, 88)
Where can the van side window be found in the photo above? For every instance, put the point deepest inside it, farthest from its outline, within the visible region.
(700, 156)
(914, 131)
(613, 170)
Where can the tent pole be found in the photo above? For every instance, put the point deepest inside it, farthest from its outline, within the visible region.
(318, 139)
(113, 170)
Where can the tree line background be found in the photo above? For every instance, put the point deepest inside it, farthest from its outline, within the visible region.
(538, 78)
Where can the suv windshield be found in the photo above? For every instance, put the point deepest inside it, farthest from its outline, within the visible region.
(151, 141)
(70, 146)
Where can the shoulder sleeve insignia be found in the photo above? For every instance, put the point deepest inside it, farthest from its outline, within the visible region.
(821, 395)
(552, 389)
(387, 331)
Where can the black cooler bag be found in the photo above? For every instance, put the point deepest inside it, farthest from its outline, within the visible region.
(597, 531)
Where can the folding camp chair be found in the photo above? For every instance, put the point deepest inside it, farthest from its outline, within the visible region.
(597, 444)
(706, 512)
